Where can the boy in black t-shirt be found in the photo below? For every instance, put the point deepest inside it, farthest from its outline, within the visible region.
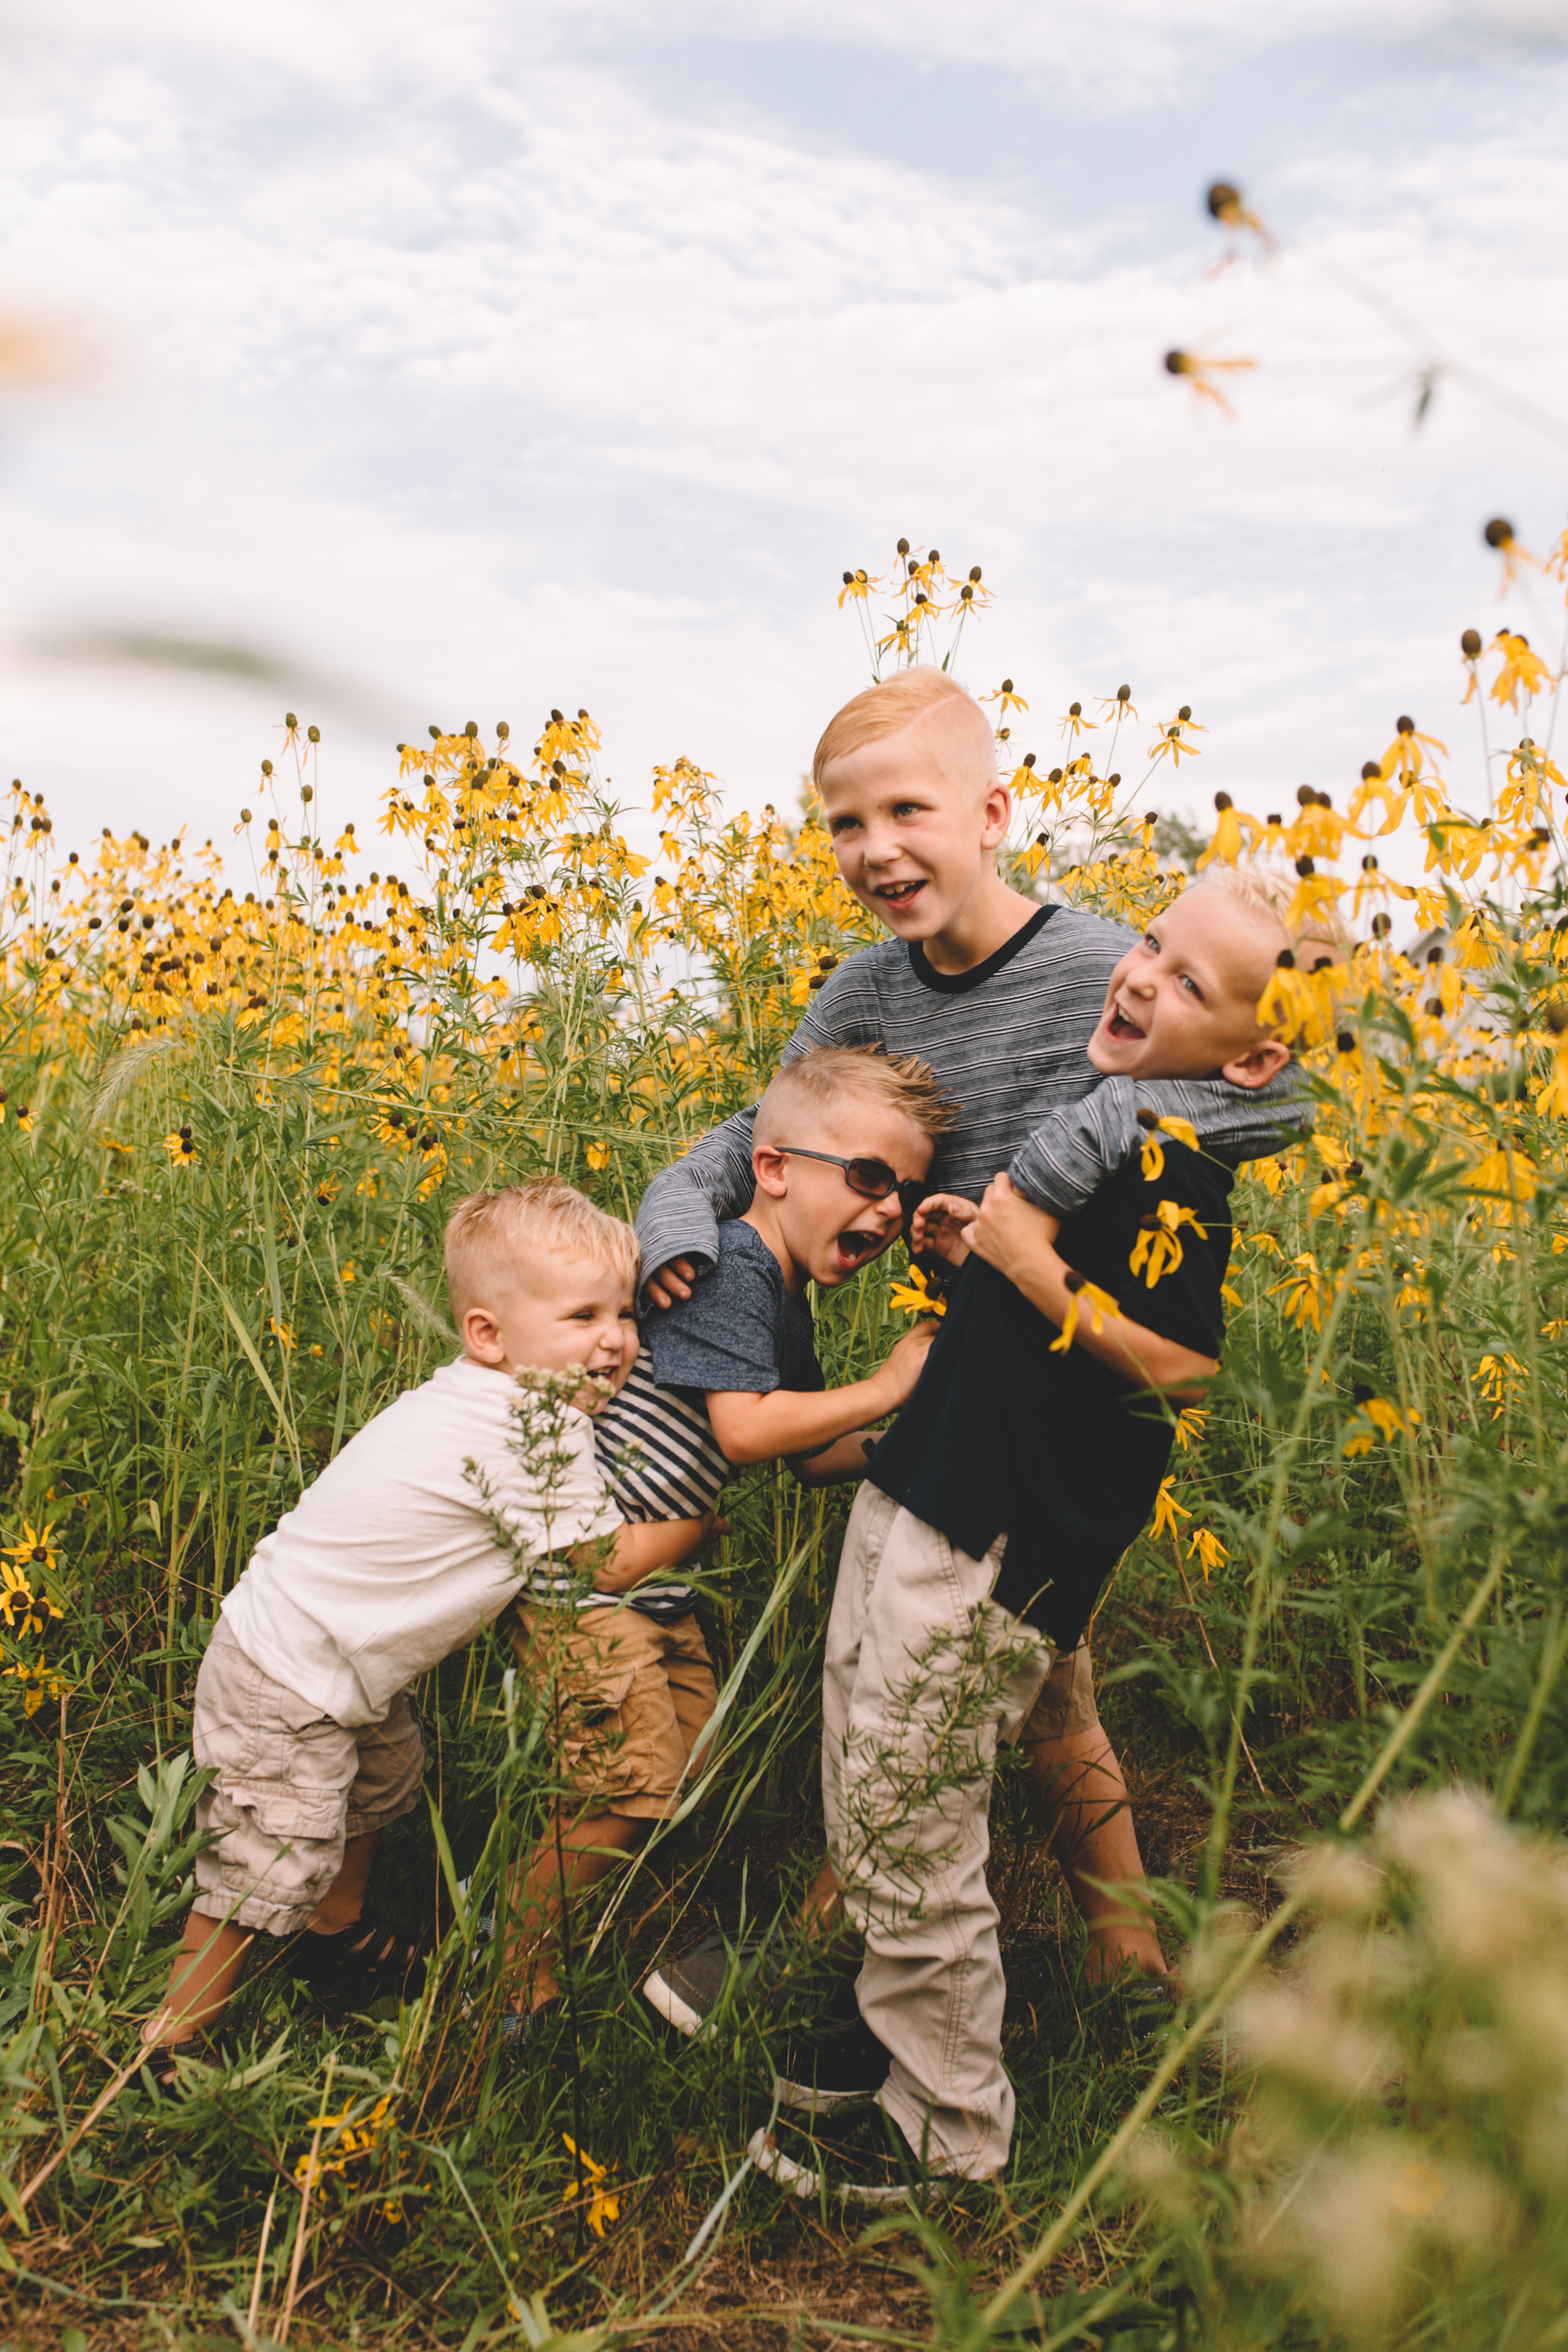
(1027, 1459)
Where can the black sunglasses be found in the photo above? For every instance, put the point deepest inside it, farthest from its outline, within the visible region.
(872, 1179)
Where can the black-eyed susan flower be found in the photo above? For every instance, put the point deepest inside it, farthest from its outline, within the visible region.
(1082, 1295)
(1158, 1248)
(604, 2205)
(1199, 372)
(1207, 1550)
(915, 1295)
(180, 1144)
(1168, 1513)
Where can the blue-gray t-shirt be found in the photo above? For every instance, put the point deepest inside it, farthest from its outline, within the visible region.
(740, 1330)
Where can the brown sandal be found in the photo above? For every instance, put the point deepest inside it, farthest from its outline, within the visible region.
(356, 1964)
(161, 2061)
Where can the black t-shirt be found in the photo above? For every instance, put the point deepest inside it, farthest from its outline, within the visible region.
(1058, 1450)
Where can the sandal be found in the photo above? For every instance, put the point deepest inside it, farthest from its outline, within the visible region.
(357, 1964)
(162, 2062)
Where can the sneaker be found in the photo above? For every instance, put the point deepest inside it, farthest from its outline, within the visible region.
(688, 1991)
(831, 2070)
(865, 2160)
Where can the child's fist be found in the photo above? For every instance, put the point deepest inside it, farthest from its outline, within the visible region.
(938, 1224)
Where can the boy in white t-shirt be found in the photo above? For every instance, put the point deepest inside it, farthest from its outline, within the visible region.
(389, 1562)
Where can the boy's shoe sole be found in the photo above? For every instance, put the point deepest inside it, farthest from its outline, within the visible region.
(832, 2070)
(870, 2165)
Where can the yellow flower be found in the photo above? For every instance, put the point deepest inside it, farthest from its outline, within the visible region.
(1190, 1425)
(914, 1296)
(597, 1155)
(1082, 1294)
(1377, 1418)
(1207, 1550)
(1302, 1294)
(1505, 1175)
(347, 1274)
(1198, 371)
(38, 1682)
(181, 1146)
(1522, 671)
(1158, 1247)
(281, 1333)
(1503, 1382)
(1168, 1513)
(1151, 1159)
(24, 1610)
(603, 2204)
(36, 1550)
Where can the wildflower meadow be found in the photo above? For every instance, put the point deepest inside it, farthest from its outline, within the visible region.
(236, 1114)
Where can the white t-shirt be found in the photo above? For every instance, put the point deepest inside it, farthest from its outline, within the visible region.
(389, 1562)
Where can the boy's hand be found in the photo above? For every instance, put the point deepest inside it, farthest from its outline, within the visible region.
(1008, 1232)
(903, 1364)
(669, 1282)
(938, 1224)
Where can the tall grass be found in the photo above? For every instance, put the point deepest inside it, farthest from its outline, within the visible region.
(234, 1122)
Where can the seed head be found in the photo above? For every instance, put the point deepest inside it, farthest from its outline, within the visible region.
(1557, 1017)
(1345, 1041)
(1285, 960)
(1028, 759)
(974, 572)
(1498, 532)
(1305, 796)
(313, 734)
(1370, 768)
(1185, 713)
(1406, 726)
(305, 793)
(1223, 201)
(1471, 644)
(903, 547)
(1381, 926)
(1304, 867)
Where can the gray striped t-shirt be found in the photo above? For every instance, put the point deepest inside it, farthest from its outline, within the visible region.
(1008, 1043)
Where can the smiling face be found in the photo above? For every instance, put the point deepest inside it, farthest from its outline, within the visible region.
(806, 1210)
(562, 1312)
(1183, 1002)
(915, 819)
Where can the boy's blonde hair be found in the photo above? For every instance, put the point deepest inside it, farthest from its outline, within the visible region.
(821, 1080)
(492, 1235)
(964, 742)
(1259, 888)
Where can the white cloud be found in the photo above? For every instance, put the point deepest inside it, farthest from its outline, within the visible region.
(458, 362)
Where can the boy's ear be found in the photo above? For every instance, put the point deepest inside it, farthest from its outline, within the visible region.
(997, 815)
(482, 1336)
(1257, 1065)
(771, 1167)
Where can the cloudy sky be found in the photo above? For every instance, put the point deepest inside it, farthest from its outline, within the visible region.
(455, 360)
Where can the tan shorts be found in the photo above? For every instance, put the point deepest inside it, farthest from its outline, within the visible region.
(291, 1786)
(636, 1692)
(1064, 1707)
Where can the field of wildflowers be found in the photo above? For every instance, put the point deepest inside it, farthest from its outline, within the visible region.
(232, 1122)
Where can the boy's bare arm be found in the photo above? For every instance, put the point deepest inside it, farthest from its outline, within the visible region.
(845, 1459)
(640, 1547)
(1019, 1240)
(751, 1428)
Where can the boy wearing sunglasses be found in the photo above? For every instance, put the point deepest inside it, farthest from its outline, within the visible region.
(1000, 995)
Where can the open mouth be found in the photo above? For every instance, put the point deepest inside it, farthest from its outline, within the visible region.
(900, 894)
(1117, 1024)
(854, 1247)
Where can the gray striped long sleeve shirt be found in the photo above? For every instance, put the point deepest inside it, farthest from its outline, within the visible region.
(1007, 1041)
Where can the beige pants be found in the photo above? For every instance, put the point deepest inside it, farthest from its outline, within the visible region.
(923, 1675)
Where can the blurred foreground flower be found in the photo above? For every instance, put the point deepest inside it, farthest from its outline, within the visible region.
(1198, 372)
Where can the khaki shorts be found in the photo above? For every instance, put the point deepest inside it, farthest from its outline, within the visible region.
(636, 1692)
(291, 1787)
(1064, 1707)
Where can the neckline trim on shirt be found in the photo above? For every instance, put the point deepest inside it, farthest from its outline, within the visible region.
(959, 983)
